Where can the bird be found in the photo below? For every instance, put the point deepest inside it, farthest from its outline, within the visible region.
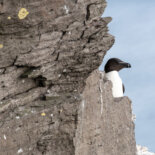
(112, 67)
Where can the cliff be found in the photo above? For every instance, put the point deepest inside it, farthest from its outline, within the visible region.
(48, 50)
(105, 124)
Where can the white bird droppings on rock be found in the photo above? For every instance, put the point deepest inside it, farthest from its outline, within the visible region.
(48, 91)
(66, 9)
(20, 151)
(83, 104)
(17, 117)
(4, 137)
(101, 91)
(32, 111)
(64, 70)
(51, 115)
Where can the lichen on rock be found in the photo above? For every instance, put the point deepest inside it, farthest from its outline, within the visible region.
(22, 13)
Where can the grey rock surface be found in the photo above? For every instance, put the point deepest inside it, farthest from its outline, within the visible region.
(105, 124)
(46, 55)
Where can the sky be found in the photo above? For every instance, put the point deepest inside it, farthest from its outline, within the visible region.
(133, 26)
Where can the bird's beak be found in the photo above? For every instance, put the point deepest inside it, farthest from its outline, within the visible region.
(125, 64)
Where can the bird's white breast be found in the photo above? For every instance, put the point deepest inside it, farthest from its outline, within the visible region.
(117, 88)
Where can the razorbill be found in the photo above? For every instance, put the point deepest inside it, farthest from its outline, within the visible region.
(112, 67)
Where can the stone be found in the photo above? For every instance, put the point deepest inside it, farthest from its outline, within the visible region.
(48, 54)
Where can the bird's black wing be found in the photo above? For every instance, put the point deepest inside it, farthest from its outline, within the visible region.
(123, 88)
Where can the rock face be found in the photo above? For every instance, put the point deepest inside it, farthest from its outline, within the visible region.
(105, 124)
(48, 48)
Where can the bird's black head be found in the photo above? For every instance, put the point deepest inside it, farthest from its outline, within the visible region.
(115, 64)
